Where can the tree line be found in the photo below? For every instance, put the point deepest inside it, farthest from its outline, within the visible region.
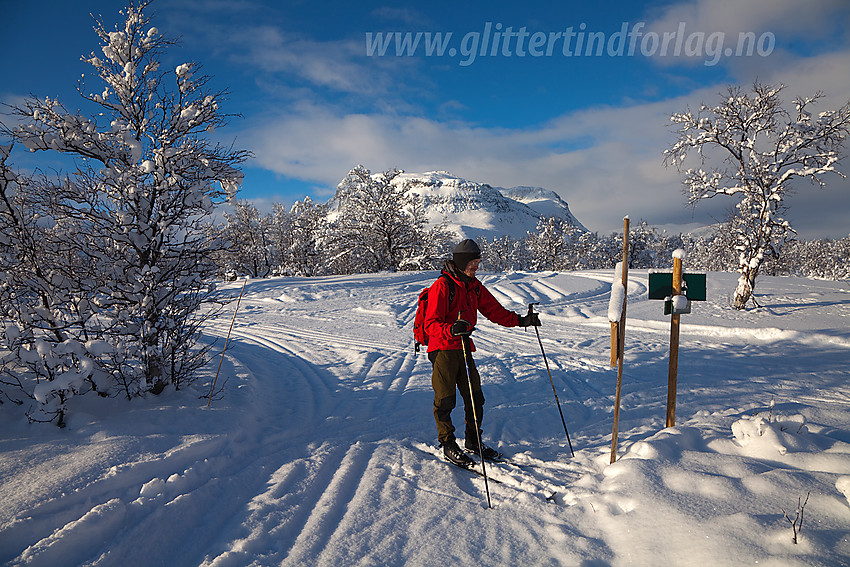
(342, 237)
(370, 225)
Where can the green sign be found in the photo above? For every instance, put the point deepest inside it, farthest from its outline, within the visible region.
(661, 286)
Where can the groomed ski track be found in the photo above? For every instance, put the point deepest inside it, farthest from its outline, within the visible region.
(339, 503)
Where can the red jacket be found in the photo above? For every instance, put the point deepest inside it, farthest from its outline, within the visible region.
(469, 299)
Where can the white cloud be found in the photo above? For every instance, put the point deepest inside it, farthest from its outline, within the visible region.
(283, 61)
(8, 100)
(405, 15)
(621, 171)
(792, 18)
(606, 161)
(320, 63)
(716, 30)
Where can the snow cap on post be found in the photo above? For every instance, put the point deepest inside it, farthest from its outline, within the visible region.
(465, 252)
(618, 295)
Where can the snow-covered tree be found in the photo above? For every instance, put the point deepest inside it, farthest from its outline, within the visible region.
(822, 258)
(714, 252)
(765, 148)
(247, 235)
(18, 242)
(308, 254)
(437, 243)
(503, 254)
(380, 225)
(279, 225)
(121, 274)
(549, 244)
(649, 247)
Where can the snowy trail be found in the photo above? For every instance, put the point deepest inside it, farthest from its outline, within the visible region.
(388, 368)
(320, 450)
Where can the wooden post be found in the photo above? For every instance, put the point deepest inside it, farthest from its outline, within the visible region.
(621, 340)
(615, 343)
(672, 375)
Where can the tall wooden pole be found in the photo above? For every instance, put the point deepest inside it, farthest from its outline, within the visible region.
(621, 340)
(672, 375)
(227, 340)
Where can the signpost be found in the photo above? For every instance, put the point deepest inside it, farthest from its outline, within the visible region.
(673, 372)
(661, 285)
(677, 289)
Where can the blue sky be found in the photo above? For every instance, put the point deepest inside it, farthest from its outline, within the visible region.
(591, 125)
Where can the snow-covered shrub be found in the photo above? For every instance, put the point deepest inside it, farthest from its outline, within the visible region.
(549, 245)
(306, 238)
(504, 254)
(114, 253)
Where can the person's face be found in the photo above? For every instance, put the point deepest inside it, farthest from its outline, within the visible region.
(472, 267)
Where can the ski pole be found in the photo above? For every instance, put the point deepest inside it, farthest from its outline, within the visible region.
(466, 359)
(551, 381)
(212, 388)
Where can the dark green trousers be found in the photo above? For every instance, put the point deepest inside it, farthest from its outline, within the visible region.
(449, 375)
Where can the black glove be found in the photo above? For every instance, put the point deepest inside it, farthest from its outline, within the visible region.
(461, 328)
(529, 320)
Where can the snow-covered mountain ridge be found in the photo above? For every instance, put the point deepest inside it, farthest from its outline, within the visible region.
(474, 209)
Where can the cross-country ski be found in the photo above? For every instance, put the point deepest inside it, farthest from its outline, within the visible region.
(507, 475)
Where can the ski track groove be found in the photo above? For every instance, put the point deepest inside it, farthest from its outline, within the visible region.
(552, 292)
(323, 510)
(329, 509)
(305, 367)
(108, 498)
(298, 381)
(371, 371)
(405, 373)
(397, 380)
(279, 514)
(537, 478)
(406, 312)
(293, 502)
(327, 338)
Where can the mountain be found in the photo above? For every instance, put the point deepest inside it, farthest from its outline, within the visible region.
(543, 201)
(475, 209)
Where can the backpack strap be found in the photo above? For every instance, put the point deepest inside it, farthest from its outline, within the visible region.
(452, 285)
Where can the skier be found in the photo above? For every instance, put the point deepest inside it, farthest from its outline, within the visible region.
(446, 326)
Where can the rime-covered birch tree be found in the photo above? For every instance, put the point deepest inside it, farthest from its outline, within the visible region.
(380, 225)
(504, 253)
(307, 254)
(757, 149)
(549, 244)
(109, 300)
(247, 234)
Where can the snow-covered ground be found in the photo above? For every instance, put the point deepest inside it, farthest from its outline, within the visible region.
(319, 451)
